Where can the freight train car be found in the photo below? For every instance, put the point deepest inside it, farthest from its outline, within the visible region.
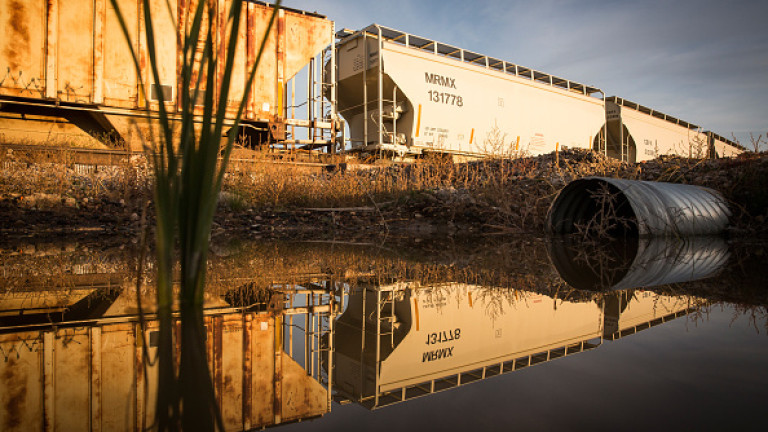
(637, 133)
(407, 94)
(721, 147)
(65, 67)
(630, 311)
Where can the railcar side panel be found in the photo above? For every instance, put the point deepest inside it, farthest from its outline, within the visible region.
(469, 109)
(22, 48)
(461, 327)
(722, 148)
(55, 54)
(74, 56)
(120, 85)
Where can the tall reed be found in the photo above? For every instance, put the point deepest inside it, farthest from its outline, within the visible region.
(188, 176)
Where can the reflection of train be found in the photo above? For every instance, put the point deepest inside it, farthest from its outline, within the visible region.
(87, 371)
(64, 68)
(398, 342)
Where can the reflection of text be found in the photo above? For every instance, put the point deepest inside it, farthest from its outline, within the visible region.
(437, 354)
(443, 336)
(433, 303)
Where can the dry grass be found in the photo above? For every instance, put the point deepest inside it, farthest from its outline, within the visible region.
(53, 179)
(500, 195)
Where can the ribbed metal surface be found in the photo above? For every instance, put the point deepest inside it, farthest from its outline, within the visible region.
(657, 208)
(646, 262)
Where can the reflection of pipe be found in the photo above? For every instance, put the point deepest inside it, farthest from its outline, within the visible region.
(651, 208)
(638, 263)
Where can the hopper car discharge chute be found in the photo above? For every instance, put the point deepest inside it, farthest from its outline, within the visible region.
(66, 71)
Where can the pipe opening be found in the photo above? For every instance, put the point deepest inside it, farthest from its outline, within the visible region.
(593, 207)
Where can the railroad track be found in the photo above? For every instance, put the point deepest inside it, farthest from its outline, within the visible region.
(241, 158)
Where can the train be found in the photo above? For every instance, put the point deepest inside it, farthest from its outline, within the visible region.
(415, 96)
(65, 70)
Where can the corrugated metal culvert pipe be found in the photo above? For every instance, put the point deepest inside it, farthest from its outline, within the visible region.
(608, 206)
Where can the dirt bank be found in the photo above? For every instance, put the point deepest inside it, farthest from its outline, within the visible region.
(430, 198)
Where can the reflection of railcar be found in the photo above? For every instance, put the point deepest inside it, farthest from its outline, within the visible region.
(402, 341)
(65, 68)
(410, 95)
(69, 364)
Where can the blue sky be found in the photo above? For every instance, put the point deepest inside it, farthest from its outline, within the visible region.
(703, 61)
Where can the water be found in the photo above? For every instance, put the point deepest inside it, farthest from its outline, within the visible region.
(526, 333)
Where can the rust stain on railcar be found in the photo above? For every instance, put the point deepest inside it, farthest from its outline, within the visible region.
(306, 37)
(20, 381)
(120, 81)
(51, 44)
(262, 370)
(74, 68)
(118, 377)
(293, 40)
(14, 387)
(302, 396)
(264, 82)
(71, 386)
(21, 60)
(232, 366)
(18, 45)
(247, 370)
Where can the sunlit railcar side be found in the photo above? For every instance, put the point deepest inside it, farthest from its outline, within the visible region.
(721, 147)
(637, 133)
(406, 95)
(415, 95)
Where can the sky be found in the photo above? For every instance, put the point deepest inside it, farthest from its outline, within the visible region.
(703, 61)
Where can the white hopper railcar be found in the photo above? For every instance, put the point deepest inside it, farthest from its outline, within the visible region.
(410, 95)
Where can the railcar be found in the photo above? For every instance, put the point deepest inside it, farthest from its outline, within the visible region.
(65, 67)
(404, 340)
(66, 70)
(637, 133)
(408, 95)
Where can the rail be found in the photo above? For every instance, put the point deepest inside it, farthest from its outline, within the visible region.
(85, 159)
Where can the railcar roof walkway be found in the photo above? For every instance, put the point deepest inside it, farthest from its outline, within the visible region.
(466, 56)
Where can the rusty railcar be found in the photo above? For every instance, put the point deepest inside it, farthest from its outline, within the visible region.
(65, 68)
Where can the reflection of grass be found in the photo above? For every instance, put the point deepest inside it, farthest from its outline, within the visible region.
(505, 273)
(187, 181)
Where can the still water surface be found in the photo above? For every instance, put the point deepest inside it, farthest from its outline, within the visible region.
(526, 334)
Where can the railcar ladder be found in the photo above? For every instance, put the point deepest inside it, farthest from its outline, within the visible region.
(385, 314)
